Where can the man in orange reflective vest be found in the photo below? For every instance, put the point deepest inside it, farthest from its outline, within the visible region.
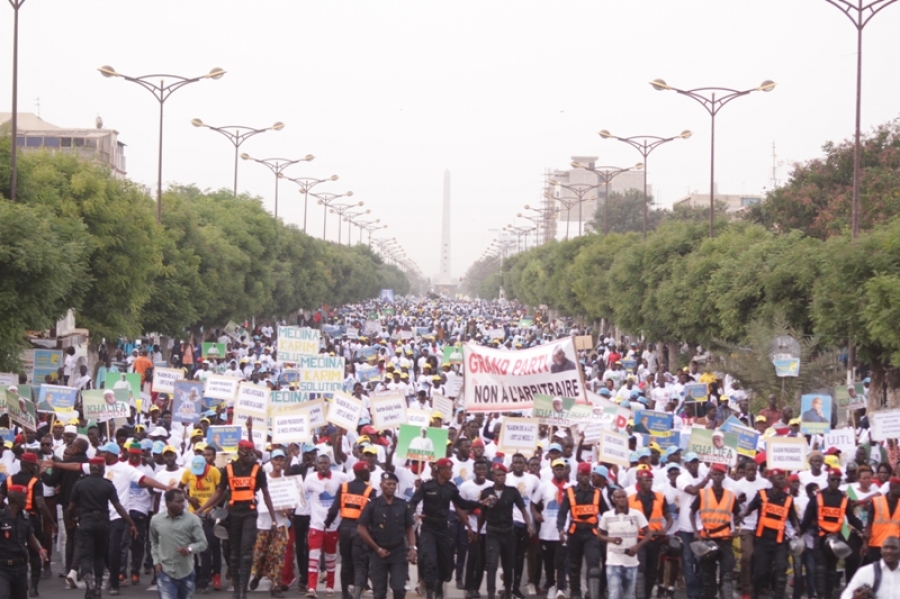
(349, 502)
(719, 514)
(770, 548)
(585, 503)
(35, 509)
(883, 520)
(656, 509)
(243, 478)
(826, 513)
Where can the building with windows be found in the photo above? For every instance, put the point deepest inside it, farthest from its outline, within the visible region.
(733, 202)
(97, 144)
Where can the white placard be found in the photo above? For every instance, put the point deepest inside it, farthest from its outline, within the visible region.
(351, 332)
(497, 333)
(295, 342)
(519, 435)
(164, 379)
(420, 418)
(253, 399)
(442, 404)
(453, 386)
(219, 386)
(8, 379)
(344, 411)
(283, 493)
(885, 424)
(613, 448)
(259, 427)
(388, 411)
(786, 453)
(842, 438)
(291, 428)
(315, 411)
(593, 430)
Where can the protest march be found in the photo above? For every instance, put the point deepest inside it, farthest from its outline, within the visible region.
(439, 442)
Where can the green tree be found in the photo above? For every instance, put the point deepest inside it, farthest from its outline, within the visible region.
(625, 213)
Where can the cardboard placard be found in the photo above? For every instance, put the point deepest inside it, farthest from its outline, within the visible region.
(388, 411)
(713, 448)
(296, 342)
(259, 427)
(454, 385)
(291, 428)
(219, 386)
(416, 417)
(8, 379)
(315, 410)
(253, 399)
(842, 438)
(344, 411)
(283, 493)
(55, 398)
(787, 453)
(224, 438)
(613, 448)
(188, 401)
(320, 374)
(885, 425)
(815, 413)
(519, 435)
(421, 443)
(442, 404)
(584, 342)
(97, 405)
(164, 379)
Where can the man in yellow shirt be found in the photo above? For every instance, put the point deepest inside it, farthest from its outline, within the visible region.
(199, 482)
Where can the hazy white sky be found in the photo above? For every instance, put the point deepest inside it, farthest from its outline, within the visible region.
(390, 94)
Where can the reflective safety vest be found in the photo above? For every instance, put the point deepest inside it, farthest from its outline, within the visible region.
(583, 513)
(831, 519)
(884, 523)
(716, 515)
(352, 505)
(243, 488)
(657, 520)
(30, 507)
(772, 516)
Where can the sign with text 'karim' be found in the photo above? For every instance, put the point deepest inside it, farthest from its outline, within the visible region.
(296, 342)
(219, 386)
(787, 453)
(498, 381)
(519, 435)
(291, 428)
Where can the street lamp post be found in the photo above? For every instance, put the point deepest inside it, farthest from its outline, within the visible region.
(362, 224)
(325, 199)
(645, 144)
(277, 166)
(237, 134)
(605, 175)
(580, 190)
(371, 229)
(338, 209)
(348, 217)
(161, 92)
(307, 183)
(860, 12)
(713, 104)
(14, 119)
(544, 217)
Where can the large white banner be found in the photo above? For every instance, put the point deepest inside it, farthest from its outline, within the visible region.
(501, 381)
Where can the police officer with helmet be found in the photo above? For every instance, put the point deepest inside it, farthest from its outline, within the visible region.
(16, 539)
(386, 526)
(243, 478)
(352, 497)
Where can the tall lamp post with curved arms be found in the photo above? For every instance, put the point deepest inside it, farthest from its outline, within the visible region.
(544, 216)
(712, 99)
(325, 199)
(362, 224)
(645, 144)
(605, 175)
(161, 91)
(371, 229)
(307, 183)
(237, 134)
(348, 218)
(277, 166)
(580, 190)
(340, 210)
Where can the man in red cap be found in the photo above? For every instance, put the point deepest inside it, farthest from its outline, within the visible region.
(770, 543)
(35, 509)
(719, 514)
(349, 502)
(243, 478)
(500, 542)
(656, 509)
(17, 536)
(585, 504)
(436, 546)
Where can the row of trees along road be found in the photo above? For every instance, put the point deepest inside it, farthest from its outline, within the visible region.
(788, 263)
(78, 238)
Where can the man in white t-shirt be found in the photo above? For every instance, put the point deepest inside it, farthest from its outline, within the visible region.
(745, 490)
(689, 483)
(475, 557)
(527, 484)
(619, 529)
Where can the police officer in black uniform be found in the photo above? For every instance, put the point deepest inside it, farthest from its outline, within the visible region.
(349, 502)
(242, 478)
(386, 525)
(35, 509)
(434, 537)
(16, 540)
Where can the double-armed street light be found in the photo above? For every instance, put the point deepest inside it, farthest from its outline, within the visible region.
(237, 134)
(325, 200)
(168, 84)
(605, 175)
(277, 166)
(340, 210)
(713, 99)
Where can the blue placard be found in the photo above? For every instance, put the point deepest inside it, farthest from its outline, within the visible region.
(368, 352)
(696, 392)
(422, 331)
(368, 374)
(54, 398)
(747, 437)
(189, 403)
(629, 364)
(787, 366)
(653, 422)
(224, 438)
(333, 330)
(815, 413)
